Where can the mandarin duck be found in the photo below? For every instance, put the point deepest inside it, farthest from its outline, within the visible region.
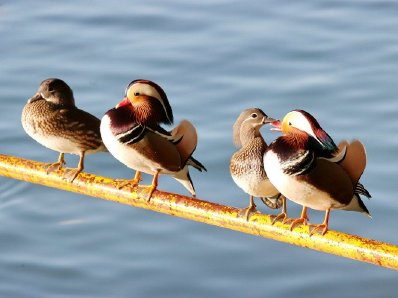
(307, 167)
(52, 119)
(132, 133)
(246, 165)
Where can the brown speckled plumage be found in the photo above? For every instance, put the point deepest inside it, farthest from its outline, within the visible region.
(246, 165)
(51, 118)
(249, 159)
(78, 126)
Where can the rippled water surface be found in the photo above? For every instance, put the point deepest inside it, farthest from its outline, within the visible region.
(335, 59)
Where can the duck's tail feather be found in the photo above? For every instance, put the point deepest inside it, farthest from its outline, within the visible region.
(361, 190)
(185, 179)
(357, 205)
(196, 164)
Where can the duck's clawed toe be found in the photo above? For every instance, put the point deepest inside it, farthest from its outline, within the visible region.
(53, 167)
(248, 212)
(120, 183)
(303, 219)
(71, 174)
(56, 166)
(297, 221)
(280, 217)
(321, 228)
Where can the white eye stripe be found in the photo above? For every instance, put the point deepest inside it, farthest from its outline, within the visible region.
(145, 89)
(299, 121)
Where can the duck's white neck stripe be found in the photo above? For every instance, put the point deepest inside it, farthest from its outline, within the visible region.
(298, 164)
(123, 134)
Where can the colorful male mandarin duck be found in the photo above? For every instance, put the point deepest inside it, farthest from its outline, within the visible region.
(246, 165)
(51, 118)
(307, 167)
(132, 133)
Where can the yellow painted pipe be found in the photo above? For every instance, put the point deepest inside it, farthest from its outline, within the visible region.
(333, 242)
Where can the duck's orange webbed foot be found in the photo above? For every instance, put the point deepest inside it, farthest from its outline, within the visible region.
(283, 215)
(72, 174)
(56, 166)
(323, 225)
(249, 210)
(280, 217)
(134, 182)
(317, 228)
(303, 219)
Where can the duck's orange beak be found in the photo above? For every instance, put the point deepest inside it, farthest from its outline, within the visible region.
(276, 125)
(123, 103)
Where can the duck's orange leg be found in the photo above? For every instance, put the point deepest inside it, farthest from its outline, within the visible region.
(134, 182)
(249, 209)
(283, 215)
(323, 225)
(56, 165)
(302, 220)
(73, 173)
(153, 186)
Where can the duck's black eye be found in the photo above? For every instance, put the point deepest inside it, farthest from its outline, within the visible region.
(290, 123)
(136, 93)
(254, 115)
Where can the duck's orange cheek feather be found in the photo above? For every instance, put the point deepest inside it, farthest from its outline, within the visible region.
(148, 113)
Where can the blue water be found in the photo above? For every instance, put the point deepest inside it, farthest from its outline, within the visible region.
(337, 60)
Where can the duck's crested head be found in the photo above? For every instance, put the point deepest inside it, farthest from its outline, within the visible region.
(299, 122)
(148, 102)
(55, 91)
(249, 122)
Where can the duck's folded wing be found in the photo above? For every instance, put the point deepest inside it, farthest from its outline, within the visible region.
(187, 139)
(354, 162)
(81, 122)
(160, 150)
(329, 177)
(78, 119)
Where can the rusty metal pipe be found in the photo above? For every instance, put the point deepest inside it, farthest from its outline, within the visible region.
(333, 242)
